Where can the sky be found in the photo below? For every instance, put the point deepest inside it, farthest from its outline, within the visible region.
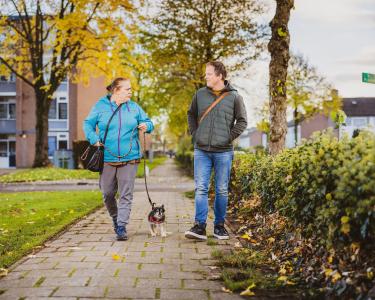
(336, 36)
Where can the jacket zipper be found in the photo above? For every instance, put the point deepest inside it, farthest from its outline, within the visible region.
(210, 138)
(119, 130)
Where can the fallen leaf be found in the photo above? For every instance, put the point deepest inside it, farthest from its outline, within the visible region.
(115, 256)
(282, 278)
(336, 276)
(328, 272)
(226, 290)
(3, 272)
(248, 291)
(245, 236)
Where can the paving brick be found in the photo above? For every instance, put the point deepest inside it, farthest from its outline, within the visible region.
(159, 283)
(16, 293)
(182, 294)
(66, 281)
(87, 291)
(115, 292)
(202, 284)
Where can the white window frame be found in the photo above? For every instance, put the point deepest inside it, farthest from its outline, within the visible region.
(61, 98)
(10, 100)
(60, 136)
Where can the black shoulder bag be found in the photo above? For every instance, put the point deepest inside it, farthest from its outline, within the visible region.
(93, 157)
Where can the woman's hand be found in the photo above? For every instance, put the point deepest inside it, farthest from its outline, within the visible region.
(142, 126)
(98, 144)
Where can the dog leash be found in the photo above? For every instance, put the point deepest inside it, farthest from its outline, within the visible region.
(144, 170)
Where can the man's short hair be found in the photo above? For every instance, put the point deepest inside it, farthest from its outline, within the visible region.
(219, 68)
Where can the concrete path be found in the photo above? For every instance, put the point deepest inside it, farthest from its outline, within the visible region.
(156, 182)
(87, 262)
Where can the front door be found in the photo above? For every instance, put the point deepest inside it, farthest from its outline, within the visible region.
(12, 154)
(4, 159)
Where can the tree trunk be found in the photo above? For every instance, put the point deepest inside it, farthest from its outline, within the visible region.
(41, 142)
(278, 70)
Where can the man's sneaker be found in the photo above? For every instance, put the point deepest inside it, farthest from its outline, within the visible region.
(220, 232)
(198, 232)
(114, 220)
(121, 233)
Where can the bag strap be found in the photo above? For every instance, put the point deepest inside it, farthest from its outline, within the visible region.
(213, 104)
(109, 121)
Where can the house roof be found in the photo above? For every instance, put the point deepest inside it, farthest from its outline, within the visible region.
(363, 106)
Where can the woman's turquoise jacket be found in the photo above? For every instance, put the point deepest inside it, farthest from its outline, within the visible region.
(129, 116)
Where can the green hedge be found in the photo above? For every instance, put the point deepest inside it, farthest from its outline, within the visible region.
(326, 186)
(186, 161)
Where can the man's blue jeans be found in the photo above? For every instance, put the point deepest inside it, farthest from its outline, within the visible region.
(221, 162)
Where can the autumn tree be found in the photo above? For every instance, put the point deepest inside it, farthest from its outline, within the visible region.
(308, 93)
(278, 47)
(44, 42)
(184, 35)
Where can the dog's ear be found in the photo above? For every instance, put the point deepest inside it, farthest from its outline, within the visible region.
(162, 207)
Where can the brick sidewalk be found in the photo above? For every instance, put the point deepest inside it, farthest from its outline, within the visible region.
(87, 262)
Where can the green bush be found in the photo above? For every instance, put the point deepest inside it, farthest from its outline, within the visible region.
(325, 186)
(351, 213)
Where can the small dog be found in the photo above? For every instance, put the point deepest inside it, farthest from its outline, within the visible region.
(156, 221)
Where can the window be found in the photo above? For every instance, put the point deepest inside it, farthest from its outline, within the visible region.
(3, 111)
(58, 109)
(7, 108)
(63, 111)
(10, 78)
(52, 110)
(12, 110)
(3, 149)
(63, 145)
(52, 140)
(359, 122)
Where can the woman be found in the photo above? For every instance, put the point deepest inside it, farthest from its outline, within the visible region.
(122, 151)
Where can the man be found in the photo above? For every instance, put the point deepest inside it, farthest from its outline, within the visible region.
(212, 137)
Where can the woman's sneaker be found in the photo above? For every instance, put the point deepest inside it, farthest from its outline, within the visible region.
(198, 232)
(121, 233)
(220, 232)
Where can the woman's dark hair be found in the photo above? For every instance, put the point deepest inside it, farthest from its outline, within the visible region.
(115, 84)
(219, 68)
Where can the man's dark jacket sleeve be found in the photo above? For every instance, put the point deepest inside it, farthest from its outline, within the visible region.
(192, 115)
(240, 117)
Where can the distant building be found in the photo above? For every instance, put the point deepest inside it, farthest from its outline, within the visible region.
(360, 114)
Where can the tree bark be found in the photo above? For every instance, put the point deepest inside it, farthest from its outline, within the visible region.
(41, 141)
(278, 70)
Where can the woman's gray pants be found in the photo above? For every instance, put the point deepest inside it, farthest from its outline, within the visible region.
(120, 179)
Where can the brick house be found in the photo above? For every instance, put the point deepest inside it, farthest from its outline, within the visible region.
(71, 104)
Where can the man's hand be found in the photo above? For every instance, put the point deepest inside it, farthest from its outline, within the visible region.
(142, 127)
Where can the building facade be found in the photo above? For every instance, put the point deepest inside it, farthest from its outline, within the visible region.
(70, 105)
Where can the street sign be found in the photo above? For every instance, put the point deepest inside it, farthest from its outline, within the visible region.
(368, 77)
